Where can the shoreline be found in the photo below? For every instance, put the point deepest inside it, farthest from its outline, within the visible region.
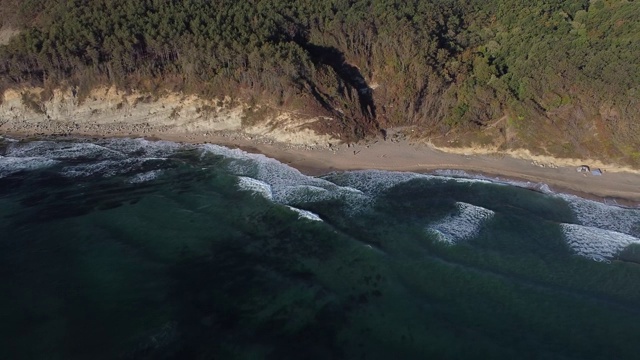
(613, 188)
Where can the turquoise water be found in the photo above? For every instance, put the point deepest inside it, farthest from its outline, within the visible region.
(131, 249)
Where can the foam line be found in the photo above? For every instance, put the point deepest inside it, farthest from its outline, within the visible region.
(305, 214)
(463, 176)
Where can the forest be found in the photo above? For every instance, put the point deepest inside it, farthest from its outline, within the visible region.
(535, 68)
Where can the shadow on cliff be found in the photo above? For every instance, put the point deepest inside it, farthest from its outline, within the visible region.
(352, 82)
(350, 74)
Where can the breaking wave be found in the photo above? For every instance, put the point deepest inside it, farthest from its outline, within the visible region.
(11, 165)
(596, 243)
(107, 157)
(461, 175)
(373, 182)
(305, 214)
(145, 177)
(287, 185)
(595, 214)
(463, 225)
(600, 229)
(255, 186)
(108, 168)
(63, 150)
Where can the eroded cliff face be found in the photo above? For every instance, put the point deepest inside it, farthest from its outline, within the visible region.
(109, 112)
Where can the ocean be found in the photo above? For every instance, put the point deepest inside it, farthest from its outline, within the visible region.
(136, 249)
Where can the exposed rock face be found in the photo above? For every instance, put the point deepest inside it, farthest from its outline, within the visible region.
(108, 112)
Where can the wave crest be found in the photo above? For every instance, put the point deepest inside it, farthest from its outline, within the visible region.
(255, 186)
(463, 225)
(596, 243)
(305, 214)
(11, 165)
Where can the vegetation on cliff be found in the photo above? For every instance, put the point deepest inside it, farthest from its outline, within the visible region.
(563, 76)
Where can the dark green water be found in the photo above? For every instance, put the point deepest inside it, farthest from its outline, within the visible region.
(128, 249)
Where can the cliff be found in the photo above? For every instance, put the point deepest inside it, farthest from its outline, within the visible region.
(108, 112)
(558, 78)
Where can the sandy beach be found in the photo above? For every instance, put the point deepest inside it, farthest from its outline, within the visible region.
(175, 117)
(614, 186)
(619, 186)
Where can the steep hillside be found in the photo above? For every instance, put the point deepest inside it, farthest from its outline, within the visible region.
(556, 77)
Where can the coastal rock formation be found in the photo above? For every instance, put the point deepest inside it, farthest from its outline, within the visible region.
(109, 112)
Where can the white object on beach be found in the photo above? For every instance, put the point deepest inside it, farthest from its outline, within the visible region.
(583, 169)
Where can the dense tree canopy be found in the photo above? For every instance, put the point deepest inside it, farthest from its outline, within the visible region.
(438, 64)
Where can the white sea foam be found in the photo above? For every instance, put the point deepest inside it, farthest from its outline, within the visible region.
(106, 168)
(145, 177)
(452, 172)
(604, 216)
(256, 186)
(96, 158)
(596, 243)
(288, 185)
(11, 165)
(588, 212)
(463, 176)
(142, 147)
(462, 225)
(305, 214)
(8, 139)
(302, 193)
(62, 150)
(278, 175)
(603, 229)
(373, 182)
